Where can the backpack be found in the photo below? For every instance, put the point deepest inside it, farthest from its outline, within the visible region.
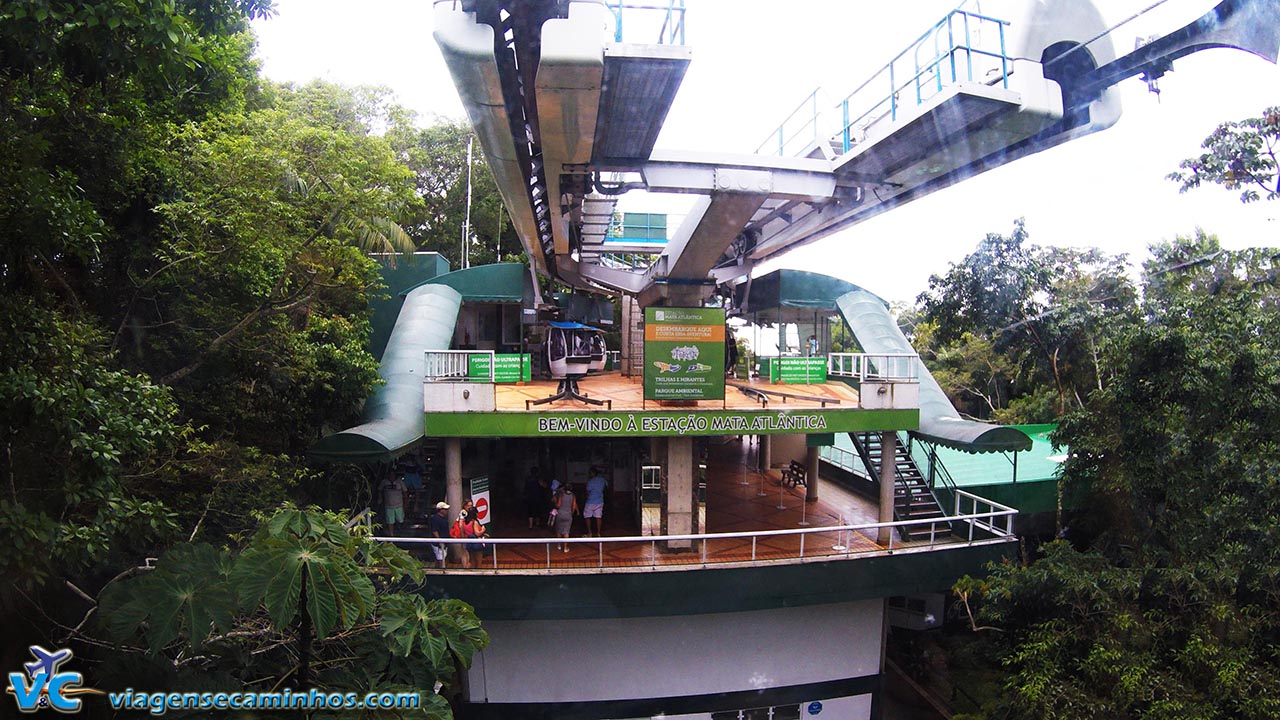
(456, 530)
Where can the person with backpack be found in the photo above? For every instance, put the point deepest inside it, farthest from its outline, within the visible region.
(474, 530)
(461, 526)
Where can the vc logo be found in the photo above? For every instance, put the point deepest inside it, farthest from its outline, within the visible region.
(47, 686)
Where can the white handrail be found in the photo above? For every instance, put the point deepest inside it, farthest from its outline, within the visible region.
(828, 450)
(888, 367)
(985, 521)
(453, 365)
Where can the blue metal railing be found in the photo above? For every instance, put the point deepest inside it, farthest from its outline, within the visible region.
(958, 48)
(799, 125)
(672, 29)
(930, 75)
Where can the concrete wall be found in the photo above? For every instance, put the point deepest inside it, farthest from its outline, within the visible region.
(787, 448)
(628, 658)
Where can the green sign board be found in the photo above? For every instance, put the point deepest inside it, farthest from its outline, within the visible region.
(506, 368)
(667, 423)
(683, 353)
(798, 370)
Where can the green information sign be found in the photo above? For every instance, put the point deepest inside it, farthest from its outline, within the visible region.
(506, 368)
(798, 370)
(684, 353)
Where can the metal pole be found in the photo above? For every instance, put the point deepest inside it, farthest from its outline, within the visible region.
(466, 227)
(497, 239)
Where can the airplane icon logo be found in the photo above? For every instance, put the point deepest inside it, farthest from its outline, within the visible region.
(46, 662)
(47, 687)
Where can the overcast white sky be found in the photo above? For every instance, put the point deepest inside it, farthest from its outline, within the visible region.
(754, 60)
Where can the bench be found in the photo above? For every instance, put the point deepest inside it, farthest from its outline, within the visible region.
(794, 475)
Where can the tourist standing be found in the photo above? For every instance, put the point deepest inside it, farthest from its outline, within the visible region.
(473, 530)
(566, 505)
(594, 509)
(535, 497)
(438, 525)
(393, 501)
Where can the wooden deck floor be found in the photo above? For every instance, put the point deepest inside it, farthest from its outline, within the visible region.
(628, 394)
(734, 504)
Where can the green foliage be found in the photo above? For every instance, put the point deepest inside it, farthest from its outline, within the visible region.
(439, 630)
(293, 550)
(75, 427)
(301, 582)
(1013, 318)
(1240, 156)
(1171, 608)
(188, 595)
(438, 157)
(183, 310)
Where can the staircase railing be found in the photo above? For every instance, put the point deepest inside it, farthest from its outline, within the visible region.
(454, 366)
(888, 367)
(900, 480)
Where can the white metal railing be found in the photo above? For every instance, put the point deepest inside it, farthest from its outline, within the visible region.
(841, 457)
(888, 367)
(454, 366)
(994, 510)
(732, 552)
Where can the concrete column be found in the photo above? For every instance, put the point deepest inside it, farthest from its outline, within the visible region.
(453, 487)
(811, 474)
(888, 463)
(681, 491)
(765, 452)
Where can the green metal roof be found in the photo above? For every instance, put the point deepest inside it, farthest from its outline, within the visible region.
(1040, 462)
(497, 283)
(991, 475)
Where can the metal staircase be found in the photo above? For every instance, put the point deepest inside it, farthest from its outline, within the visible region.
(913, 499)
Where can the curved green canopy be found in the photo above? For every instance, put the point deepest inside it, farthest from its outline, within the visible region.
(393, 415)
(877, 332)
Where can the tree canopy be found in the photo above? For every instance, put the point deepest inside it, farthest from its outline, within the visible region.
(1163, 600)
(185, 279)
(1014, 329)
